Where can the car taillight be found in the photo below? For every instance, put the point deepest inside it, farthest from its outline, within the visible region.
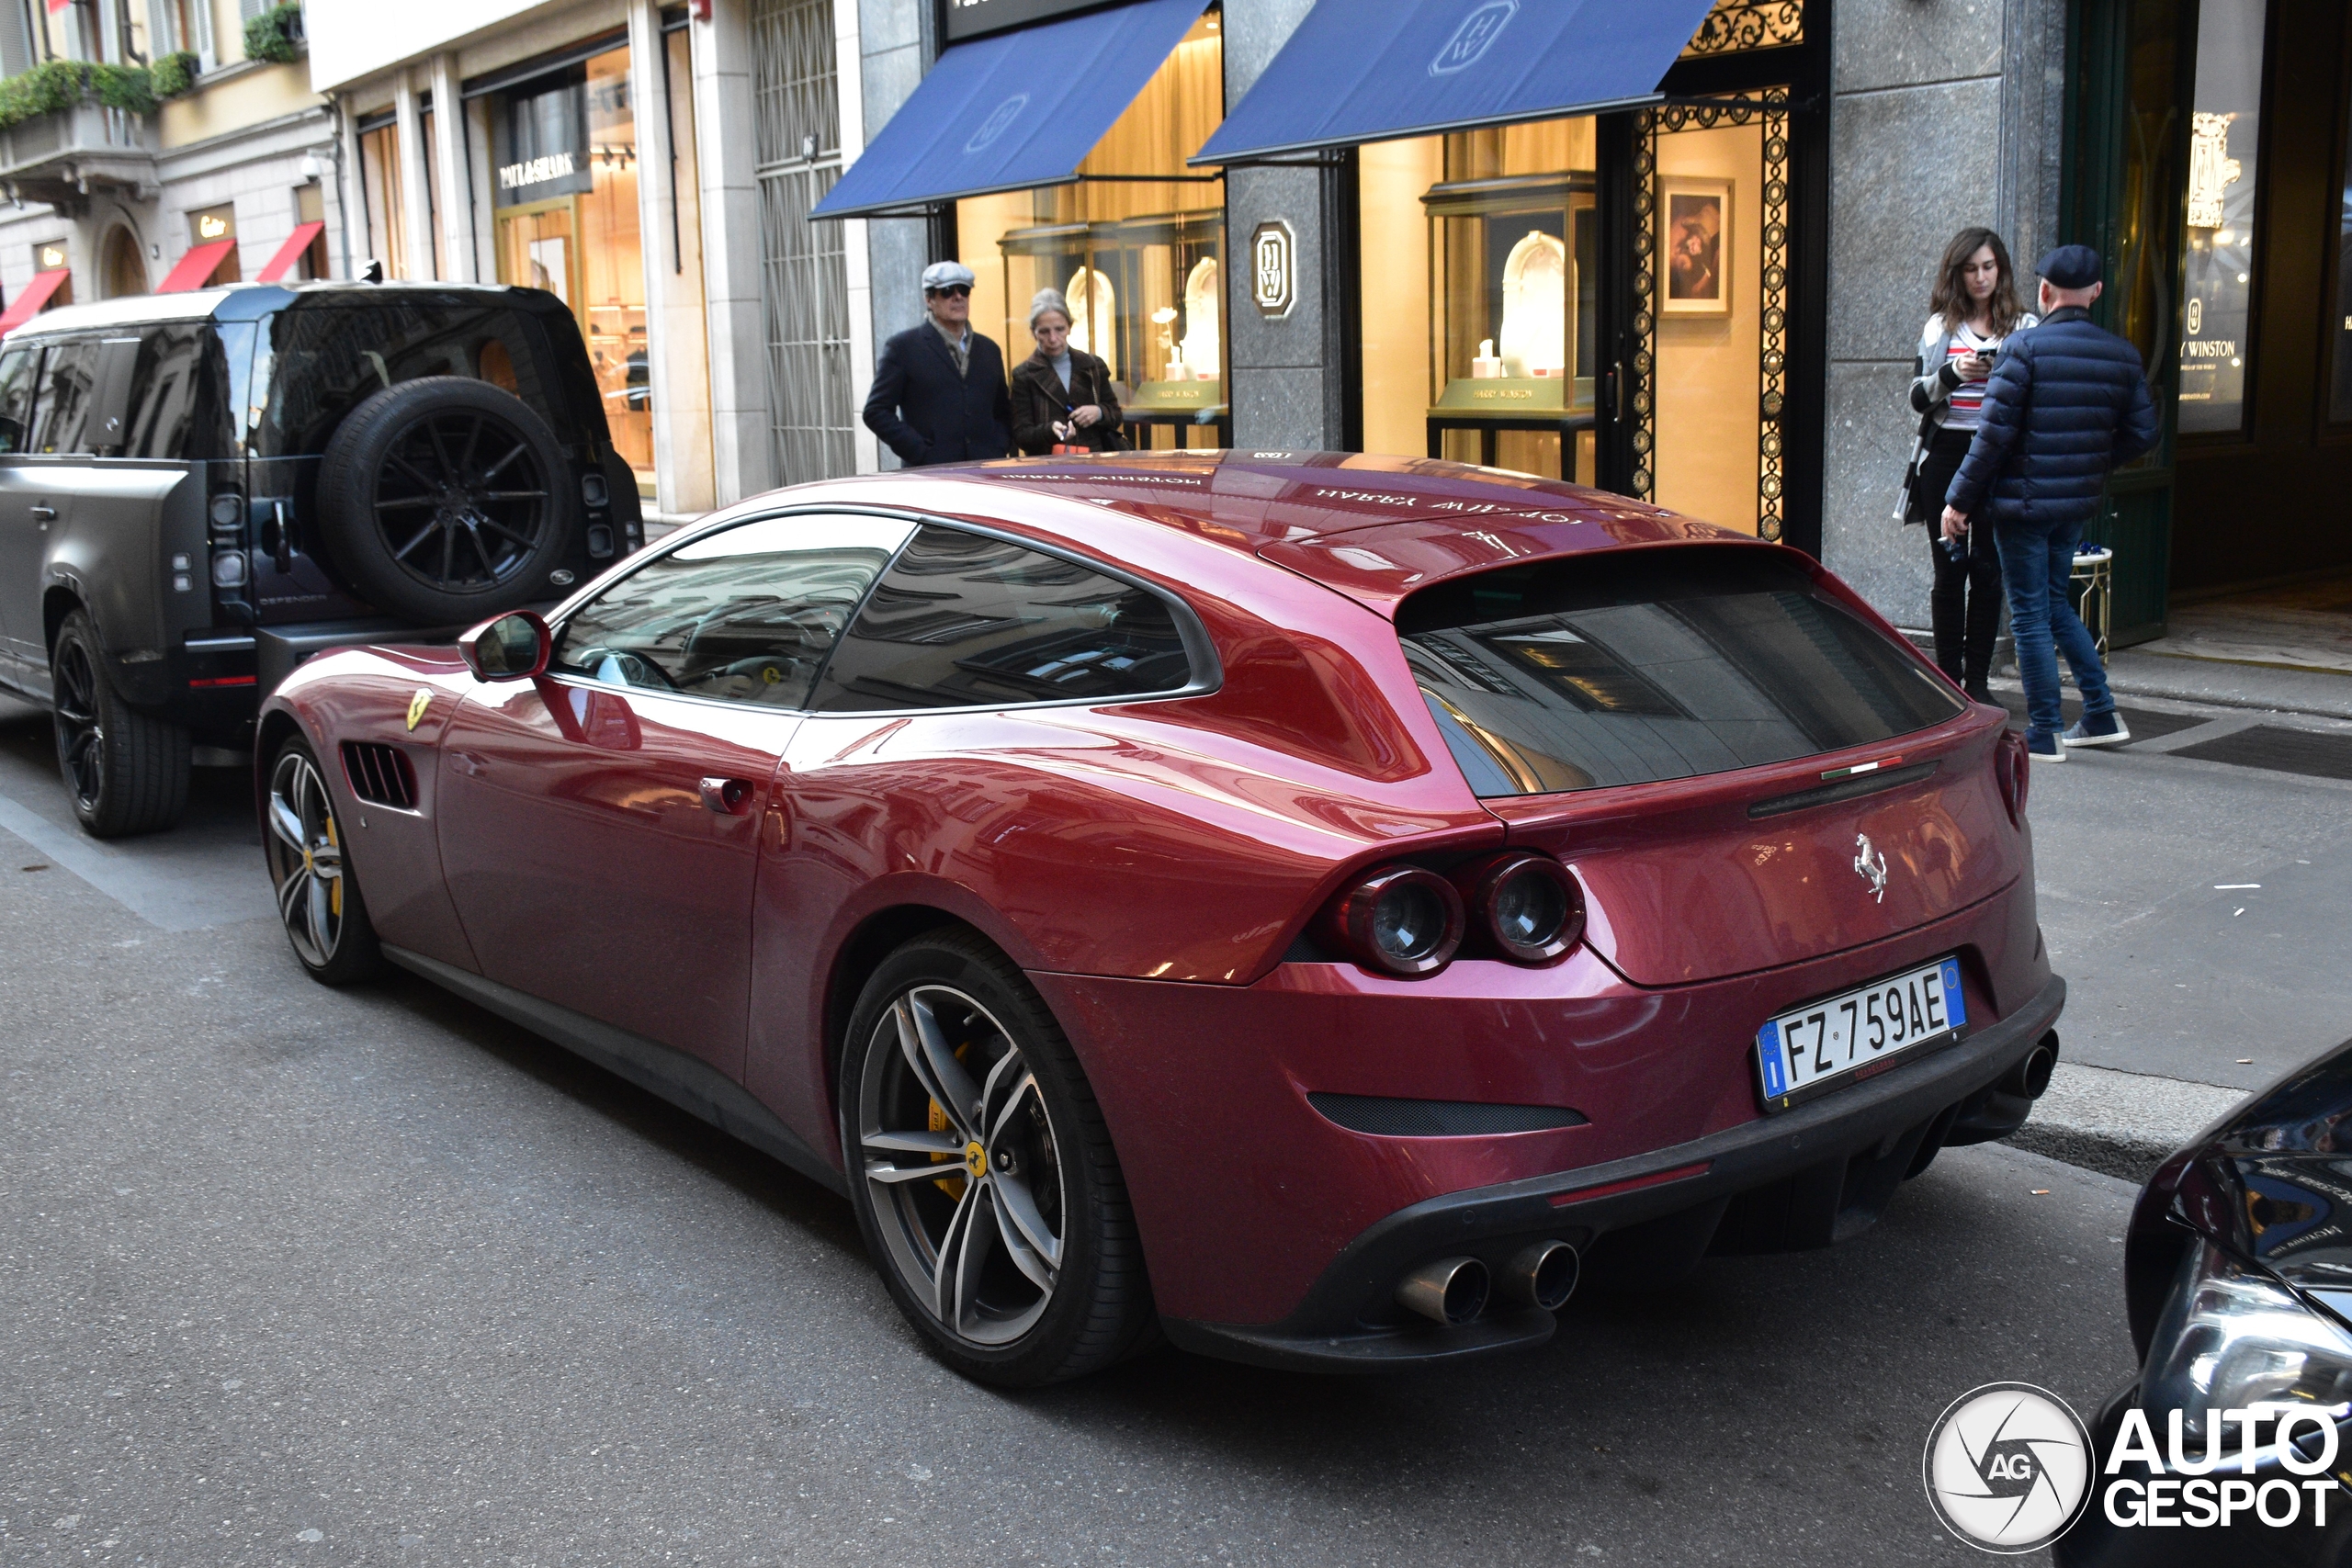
(1399, 919)
(2014, 766)
(1528, 905)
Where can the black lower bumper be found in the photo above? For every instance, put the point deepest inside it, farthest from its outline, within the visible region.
(1809, 1177)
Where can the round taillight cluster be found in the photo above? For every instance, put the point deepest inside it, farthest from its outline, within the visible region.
(1528, 906)
(1409, 921)
(1399, 919)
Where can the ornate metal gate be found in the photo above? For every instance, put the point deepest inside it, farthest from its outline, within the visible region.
(804, 286)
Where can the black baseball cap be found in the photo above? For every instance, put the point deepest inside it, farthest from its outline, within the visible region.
(2070, 266)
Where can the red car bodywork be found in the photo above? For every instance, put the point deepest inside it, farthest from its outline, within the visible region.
(1150, 865)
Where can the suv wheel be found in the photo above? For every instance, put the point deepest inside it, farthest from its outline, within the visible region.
(126, 771)
(447, 500)
(982, 1173)
(318, 898)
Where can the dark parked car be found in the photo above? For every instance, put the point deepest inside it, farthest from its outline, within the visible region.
(2238, 1278)
(1297, 904)
(197, 490)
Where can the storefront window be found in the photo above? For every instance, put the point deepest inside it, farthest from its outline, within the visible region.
(380, 190)
(565, 158)
(1136, 245)
(210, 226)
(1481, 278)
(2225, 132)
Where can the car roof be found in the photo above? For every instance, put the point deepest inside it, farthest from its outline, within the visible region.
(1375, 528)
(235, 300)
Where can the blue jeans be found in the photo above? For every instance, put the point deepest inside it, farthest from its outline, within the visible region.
(2036, 565)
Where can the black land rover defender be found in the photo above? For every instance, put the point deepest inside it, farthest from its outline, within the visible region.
(197, 490)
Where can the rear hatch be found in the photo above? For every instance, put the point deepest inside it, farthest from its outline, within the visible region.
(1743, 771)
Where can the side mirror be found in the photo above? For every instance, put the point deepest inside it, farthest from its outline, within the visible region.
(510, 648)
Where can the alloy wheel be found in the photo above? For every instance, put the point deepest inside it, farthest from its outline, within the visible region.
(460, 500)
(81, 734)
(962, 1165)
(306, 858)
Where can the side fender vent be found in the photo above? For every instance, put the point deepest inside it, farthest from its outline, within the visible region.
(380, 774)
(1387, 1118)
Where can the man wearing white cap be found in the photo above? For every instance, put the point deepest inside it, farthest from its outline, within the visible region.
(939, 392)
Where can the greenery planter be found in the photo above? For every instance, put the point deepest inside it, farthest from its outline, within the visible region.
(275, 35)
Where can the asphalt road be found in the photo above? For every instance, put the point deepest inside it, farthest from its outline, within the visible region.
(294, 1276)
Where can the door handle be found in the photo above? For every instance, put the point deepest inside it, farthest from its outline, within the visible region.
(727, 797)
(46, 513)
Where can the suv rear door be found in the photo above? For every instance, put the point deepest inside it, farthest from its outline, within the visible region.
(23, 536)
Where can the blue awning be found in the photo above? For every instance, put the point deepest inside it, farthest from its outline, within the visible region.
(1376, 70)
(1015, 110)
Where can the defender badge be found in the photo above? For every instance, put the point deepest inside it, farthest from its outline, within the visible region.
(418, 704)
(1866, 863)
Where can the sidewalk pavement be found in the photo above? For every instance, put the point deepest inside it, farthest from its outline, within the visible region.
(2123, 1123)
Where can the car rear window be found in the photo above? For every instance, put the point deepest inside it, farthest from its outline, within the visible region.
(320, 358)
(1660, 664)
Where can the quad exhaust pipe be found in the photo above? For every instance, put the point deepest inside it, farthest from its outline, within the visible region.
(1453, 1291)
(2030, 1077)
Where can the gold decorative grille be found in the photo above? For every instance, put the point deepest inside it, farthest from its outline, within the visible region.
(1737, 25)
(1771, 109)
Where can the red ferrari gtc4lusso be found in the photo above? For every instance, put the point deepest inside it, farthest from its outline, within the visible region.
(1305, 907)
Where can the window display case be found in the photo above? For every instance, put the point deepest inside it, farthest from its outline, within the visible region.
(1514, 269)
(1145, 296)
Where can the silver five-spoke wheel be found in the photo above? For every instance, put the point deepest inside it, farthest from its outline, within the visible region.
(963, 1165)
(305, 849)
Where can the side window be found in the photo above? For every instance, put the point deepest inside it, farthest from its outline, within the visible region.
(964, 621)
(68, 379)
(20, 367)
(170, 398)
(746, 615)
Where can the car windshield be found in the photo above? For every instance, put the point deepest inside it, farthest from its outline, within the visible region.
(319, 359)
(1656, 664)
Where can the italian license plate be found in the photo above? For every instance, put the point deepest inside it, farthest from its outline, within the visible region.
(1803, 1053)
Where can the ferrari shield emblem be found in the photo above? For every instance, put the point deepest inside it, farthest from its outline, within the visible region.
(417, 704)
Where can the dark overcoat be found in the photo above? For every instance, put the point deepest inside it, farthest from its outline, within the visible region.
(927, 414)
(1038, 400)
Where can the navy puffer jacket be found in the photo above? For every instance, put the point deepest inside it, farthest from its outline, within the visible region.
(2067, 403)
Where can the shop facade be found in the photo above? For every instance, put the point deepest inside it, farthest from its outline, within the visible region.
(1701, 283)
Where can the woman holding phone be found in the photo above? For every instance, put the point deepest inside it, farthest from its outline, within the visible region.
(1973, 308)
(1062, 396)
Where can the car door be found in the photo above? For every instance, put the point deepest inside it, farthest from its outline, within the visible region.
(24, 485)
(600, 825)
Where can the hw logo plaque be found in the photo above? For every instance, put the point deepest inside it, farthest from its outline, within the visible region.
(1474, 37)
(1274, 269)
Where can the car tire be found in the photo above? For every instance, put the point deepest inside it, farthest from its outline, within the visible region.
(318, 897)
(447, 500)
(1049, 1280)
(126, 771)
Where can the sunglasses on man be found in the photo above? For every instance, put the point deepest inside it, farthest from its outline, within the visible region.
(954, 290)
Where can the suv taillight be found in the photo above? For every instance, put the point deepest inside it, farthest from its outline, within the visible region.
(1397, 920)
(229, 569)
(1526, 905)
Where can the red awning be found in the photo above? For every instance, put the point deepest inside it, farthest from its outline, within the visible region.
(196, 268)
(28, 304)
(292, 251)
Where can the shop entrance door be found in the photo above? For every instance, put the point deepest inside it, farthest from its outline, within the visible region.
(804, 274)
(2126, 170)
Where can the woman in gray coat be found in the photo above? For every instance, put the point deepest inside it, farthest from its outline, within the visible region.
(1974, 308)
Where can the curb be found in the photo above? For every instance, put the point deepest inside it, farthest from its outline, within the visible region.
(2122, 1124)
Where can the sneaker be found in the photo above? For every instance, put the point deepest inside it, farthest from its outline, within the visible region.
(2099, 730)
(2044, 747)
